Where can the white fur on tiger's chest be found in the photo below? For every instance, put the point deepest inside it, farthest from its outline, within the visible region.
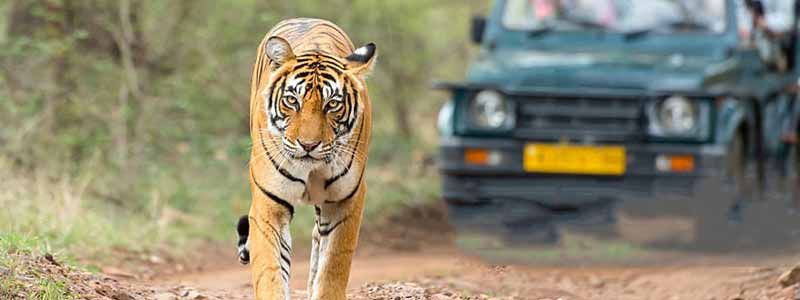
(331, 184)
(320, 185)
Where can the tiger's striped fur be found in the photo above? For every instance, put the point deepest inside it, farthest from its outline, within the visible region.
(310, 122)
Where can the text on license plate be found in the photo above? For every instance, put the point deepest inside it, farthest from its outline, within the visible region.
(574, 159)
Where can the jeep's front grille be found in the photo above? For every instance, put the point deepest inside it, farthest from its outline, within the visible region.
(578, 119)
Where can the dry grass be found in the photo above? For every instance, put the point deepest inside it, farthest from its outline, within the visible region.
(58, 211)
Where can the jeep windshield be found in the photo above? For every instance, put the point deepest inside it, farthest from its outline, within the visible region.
(626, 16)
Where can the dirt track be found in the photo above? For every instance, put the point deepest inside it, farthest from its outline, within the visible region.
(421, 262)
(445, 273)
(233, 281)
(388, 265)
(436, 275)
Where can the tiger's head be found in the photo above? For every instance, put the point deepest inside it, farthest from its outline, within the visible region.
(314, 100)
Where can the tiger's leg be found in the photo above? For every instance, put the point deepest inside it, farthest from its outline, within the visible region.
(314, 262)
(336, 238)
(270, 247)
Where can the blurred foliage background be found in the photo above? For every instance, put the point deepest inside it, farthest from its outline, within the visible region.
(124, 123)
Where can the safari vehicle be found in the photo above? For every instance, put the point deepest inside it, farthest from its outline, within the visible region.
(573, 105)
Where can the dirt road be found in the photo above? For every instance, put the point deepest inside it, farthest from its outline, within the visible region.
(234, 280)
(449, 274)
(422, 262)
(419, 264)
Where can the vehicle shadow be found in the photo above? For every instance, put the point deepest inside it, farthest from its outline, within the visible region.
(711, 221)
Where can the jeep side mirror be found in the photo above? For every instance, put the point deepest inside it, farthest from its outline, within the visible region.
(478, 27)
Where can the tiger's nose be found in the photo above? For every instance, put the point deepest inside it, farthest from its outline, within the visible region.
(308, 145)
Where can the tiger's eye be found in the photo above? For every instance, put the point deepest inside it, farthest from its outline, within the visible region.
(334, 104)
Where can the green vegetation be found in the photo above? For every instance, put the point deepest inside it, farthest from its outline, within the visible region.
(12, 268)
(50, 289)
(125, 121)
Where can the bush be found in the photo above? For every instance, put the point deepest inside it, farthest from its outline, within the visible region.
(131, 116)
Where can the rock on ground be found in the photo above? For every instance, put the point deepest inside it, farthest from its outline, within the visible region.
(790, 277)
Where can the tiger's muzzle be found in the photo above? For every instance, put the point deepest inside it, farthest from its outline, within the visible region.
(308, 150)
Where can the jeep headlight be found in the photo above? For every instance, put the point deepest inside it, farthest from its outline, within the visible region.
(490, 110)
(678, 116)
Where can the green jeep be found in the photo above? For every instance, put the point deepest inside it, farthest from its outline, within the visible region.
(575, 106)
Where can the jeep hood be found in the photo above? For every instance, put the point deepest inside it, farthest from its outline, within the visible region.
(516, 69)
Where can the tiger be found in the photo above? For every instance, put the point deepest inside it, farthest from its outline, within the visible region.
(310, 125)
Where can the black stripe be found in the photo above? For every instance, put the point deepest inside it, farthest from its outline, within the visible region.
(324, 66)
(354, 110)
(253, 220)
(346, 170)
(329, 230)
(257, 78)
(353, 192)
(333, 64)
(302, 75)
(315, 61)
(275, 93)
(286, 259)
(327, 76)
(263, 233)
(285, 274)
(274, 230)
(282, 244)
(281, 241)
(311, 56)
(272, 196)
(260, 69)
(285, 246)
(275, 164)
(308, 87)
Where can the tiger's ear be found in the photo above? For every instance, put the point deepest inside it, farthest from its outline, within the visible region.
(279, 51)
(360, 62)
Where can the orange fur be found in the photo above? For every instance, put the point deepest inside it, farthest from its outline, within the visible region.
(279, 180)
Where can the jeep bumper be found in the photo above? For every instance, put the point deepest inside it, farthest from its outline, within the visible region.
(506, 178)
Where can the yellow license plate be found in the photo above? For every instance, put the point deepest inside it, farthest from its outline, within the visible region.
(574, 159)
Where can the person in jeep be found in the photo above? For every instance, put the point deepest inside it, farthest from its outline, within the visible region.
(616, 15)
(770, 33)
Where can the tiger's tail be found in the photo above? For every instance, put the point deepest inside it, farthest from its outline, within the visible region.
(243, 245)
